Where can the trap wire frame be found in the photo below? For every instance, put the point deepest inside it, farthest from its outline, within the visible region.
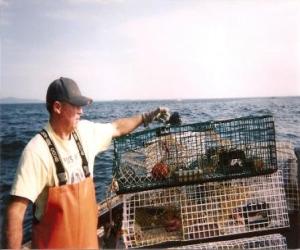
(204, 211)
(287, 161)
(266, 242)
(195, 153)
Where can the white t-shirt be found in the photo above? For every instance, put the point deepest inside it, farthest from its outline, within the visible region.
(36, 170)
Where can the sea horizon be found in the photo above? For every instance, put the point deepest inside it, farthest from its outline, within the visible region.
(21, 100)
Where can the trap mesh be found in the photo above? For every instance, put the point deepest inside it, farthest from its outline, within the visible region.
(205, 210)
(195, 153)
(272, 241)
(287, 162)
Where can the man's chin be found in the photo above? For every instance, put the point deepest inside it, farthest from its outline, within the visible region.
(76, 124)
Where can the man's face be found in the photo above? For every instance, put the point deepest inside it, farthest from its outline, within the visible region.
(70, 114)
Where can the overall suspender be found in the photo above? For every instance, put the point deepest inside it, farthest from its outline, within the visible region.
(60, 170)
(85, 164)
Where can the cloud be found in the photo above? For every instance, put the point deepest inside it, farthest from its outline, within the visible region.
(217, 49)
(82, 10)
(3, 3)
(64, 14)
(94, 1)
(4, 17)
(196, 49)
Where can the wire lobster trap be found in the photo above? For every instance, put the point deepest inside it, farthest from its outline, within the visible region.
(266, 242)
(195, 153)
(287, 162)
(204, 211)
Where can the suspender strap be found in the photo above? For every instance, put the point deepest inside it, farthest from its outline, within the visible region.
(85, 165)
(61, 175)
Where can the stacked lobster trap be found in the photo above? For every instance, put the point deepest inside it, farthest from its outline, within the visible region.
(200, 181)
(203, 211)
(288, 163)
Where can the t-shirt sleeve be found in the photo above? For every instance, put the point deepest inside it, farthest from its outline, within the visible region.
(103, 133)
(31, 176)
(99, 135)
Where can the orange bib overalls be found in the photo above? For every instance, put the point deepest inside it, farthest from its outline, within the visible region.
(70, 214)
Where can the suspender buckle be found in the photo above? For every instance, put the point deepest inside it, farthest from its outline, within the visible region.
(86, 170)
(62, 178)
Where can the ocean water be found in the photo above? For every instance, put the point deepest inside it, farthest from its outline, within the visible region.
(20, 122)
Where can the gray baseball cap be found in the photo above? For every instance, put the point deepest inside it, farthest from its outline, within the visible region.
(66, 90)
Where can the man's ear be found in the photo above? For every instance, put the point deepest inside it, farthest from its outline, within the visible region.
(57, 107)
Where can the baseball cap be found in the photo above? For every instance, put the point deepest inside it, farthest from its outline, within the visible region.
(67, 90)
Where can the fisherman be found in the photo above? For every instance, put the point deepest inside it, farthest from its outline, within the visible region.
(55, 172)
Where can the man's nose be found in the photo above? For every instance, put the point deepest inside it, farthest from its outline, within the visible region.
(79, 110)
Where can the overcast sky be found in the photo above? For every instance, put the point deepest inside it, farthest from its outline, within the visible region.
(151, 49)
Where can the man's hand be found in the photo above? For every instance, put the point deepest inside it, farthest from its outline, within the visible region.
(160, 114)
(124, 126)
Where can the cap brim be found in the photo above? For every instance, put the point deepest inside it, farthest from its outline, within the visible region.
(80, 100)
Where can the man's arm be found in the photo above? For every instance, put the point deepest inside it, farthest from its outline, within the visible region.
(14, 224)
(124, 126)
